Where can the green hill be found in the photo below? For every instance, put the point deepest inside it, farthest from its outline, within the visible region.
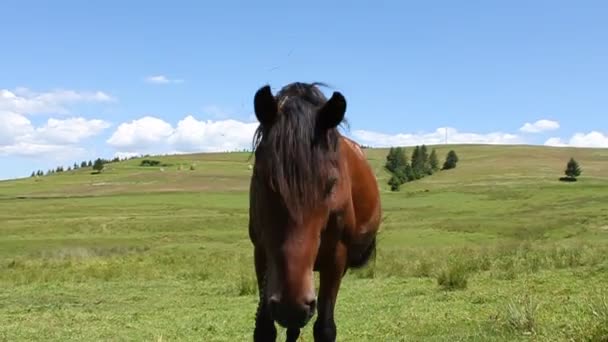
(161, 252)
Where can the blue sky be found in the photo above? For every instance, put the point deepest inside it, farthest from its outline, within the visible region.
(82, 79)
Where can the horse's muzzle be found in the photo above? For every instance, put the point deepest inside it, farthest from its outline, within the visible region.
(292, 315)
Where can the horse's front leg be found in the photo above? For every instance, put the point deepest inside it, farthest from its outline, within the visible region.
(331, 270)
(264, 325)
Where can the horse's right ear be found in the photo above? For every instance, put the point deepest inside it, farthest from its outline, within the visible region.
(265, 106)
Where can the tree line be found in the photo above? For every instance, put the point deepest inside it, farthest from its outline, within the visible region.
(96, 165)
(419, 165)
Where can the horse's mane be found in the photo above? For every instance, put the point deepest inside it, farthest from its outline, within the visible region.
(296, 158)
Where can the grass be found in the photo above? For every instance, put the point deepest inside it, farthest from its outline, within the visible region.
(497, 249)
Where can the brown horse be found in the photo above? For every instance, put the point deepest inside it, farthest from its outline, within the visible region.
(314, 206)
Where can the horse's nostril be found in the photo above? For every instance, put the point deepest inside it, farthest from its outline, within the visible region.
(312, 305)
(273, 302)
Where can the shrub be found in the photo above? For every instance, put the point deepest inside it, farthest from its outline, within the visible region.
(454, 277)
(149, 162)
(521, 315)
(450, 160)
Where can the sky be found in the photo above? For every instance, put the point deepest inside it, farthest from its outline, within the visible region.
(87, 79)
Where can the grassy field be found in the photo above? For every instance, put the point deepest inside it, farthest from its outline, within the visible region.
(494, 250)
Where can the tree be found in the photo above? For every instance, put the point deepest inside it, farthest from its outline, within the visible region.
(33, 174)
(450, 161)
(573, 170)
(98, 166)
(433, 161)
(394, 183)
(83, 164)
(75, 167)
(425, 165)
(395, 159)
(90, 164)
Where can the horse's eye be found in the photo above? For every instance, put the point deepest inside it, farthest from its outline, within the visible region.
(330, 186)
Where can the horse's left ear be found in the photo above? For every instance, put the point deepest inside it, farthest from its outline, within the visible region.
(265, 106)
(332, 112)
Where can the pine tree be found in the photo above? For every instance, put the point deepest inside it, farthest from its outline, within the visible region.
(424, 161)
(83, 164)
(98, 166)
(450, 161)
(573, 170)
(433, 161)
(390, 160)
(76, 166)
(90, 164)
(33, 174)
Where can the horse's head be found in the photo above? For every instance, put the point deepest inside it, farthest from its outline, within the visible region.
(296, 177)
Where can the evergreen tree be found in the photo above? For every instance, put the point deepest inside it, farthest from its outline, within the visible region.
(76, 166)
(98, 166)
(573, 170)
(433, 161)
(69, 168)
(90, 164)
(450, 161)
(33, 174)
(394, 183)
(424, 161)
(83, 164)
(390, 160)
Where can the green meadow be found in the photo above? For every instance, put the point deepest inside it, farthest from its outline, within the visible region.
(495, 250)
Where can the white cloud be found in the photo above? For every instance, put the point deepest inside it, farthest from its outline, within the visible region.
(436, 137)
(591, 139)
(211, 136)
(12, 126)
(56, 138)
(126, 155)
(26, 102)
(153, 135)
(70, 131)
(555, 141)
(540, 126)
(32, 149)
(161, 79)
(141, 134)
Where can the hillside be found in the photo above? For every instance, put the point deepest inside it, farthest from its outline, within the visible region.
(497, 249)
(480, 165)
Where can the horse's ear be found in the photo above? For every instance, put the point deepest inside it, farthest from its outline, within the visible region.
(265, 106)
(332, 113)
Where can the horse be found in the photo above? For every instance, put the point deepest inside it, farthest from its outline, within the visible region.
(314, 206)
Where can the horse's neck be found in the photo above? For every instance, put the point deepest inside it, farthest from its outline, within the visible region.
(353, 146)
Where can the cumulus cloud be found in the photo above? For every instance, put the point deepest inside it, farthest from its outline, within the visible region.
(12, 126)
(153, 135)
(436, 137)
(161, 79)
(71, 130)
(210, 136)
(25, 101)
(140, 134)
(591, 139)
(56, 138)
(540, 126)
(19, 137)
